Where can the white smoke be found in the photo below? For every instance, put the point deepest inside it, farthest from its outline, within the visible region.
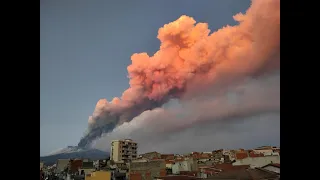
(247, 114)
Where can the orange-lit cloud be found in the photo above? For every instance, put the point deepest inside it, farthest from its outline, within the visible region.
(191, 58)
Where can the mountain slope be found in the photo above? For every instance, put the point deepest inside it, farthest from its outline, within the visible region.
(72, 152)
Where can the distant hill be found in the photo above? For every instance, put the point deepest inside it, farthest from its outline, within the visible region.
(72, 152)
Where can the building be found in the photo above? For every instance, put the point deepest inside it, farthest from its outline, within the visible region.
(140, 159)
(151, 155)
(119, 175)
(249, 174)
(264, 151)
(87, 168)
(227, 171)
(99, 175)
(169, 164)
(228, 156)
(41, 165)
(167, 156)
(218, 156)
(62, 164)
(123, 150)
(208, 171)
(272, 167)
(147, 170)
(122, 166)
(240, 154)
(257, 161)
(184, 165)
(75, 165)
(176, 177)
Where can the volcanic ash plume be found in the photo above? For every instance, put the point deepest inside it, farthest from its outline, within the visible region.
(190, 57)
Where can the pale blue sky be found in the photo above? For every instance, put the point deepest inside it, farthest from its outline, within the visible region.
(85, 47)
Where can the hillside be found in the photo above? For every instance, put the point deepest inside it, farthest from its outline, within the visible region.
(72, 152)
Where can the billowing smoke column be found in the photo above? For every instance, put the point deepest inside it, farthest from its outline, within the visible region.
(189, 57)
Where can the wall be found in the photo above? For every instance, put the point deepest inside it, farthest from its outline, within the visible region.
(128, 146)
(153, 164)
(169, 165)
(147, 170)
(115, 151)
(86, 171)
(74, 165)
(129, 150)
(140, 160)
(151, 155)
(203, 160)
(187, 165)
(179, 166)
(99, 175)
(61, 164)
(257, 161)
(135, 176)
(266, 152)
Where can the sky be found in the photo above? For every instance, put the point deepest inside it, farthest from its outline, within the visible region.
(85, 48)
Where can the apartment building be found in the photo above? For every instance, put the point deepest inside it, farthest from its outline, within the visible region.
(123, 150)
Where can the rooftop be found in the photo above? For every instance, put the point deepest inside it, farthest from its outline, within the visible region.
(249, 174)
(273, 164)
(229, 167)
(241, 155)
(177, 177)
(127, 140)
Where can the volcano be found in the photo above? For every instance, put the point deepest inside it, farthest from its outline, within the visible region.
(73, 152)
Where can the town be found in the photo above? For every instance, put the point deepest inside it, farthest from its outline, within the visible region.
(125, 164)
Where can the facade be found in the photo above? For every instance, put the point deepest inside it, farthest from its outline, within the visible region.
(87, 168)
(140, 160)
(207, 171)
(74, 165)
(99, 175)
(123, 150)
(228, 155)
(265, 152)
(268, 150)
(151, 155)
(186, 165)
(147, 170)
(169, 164)
(177, 177)
(257, 161)
(122, 166)
(62, 164)
(167, 156)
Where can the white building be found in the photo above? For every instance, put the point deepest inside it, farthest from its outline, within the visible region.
(61, 165)
(186, 165)
(229, 154)
(169, 164)
(267, 151)
(123, 150)
(257, 161)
